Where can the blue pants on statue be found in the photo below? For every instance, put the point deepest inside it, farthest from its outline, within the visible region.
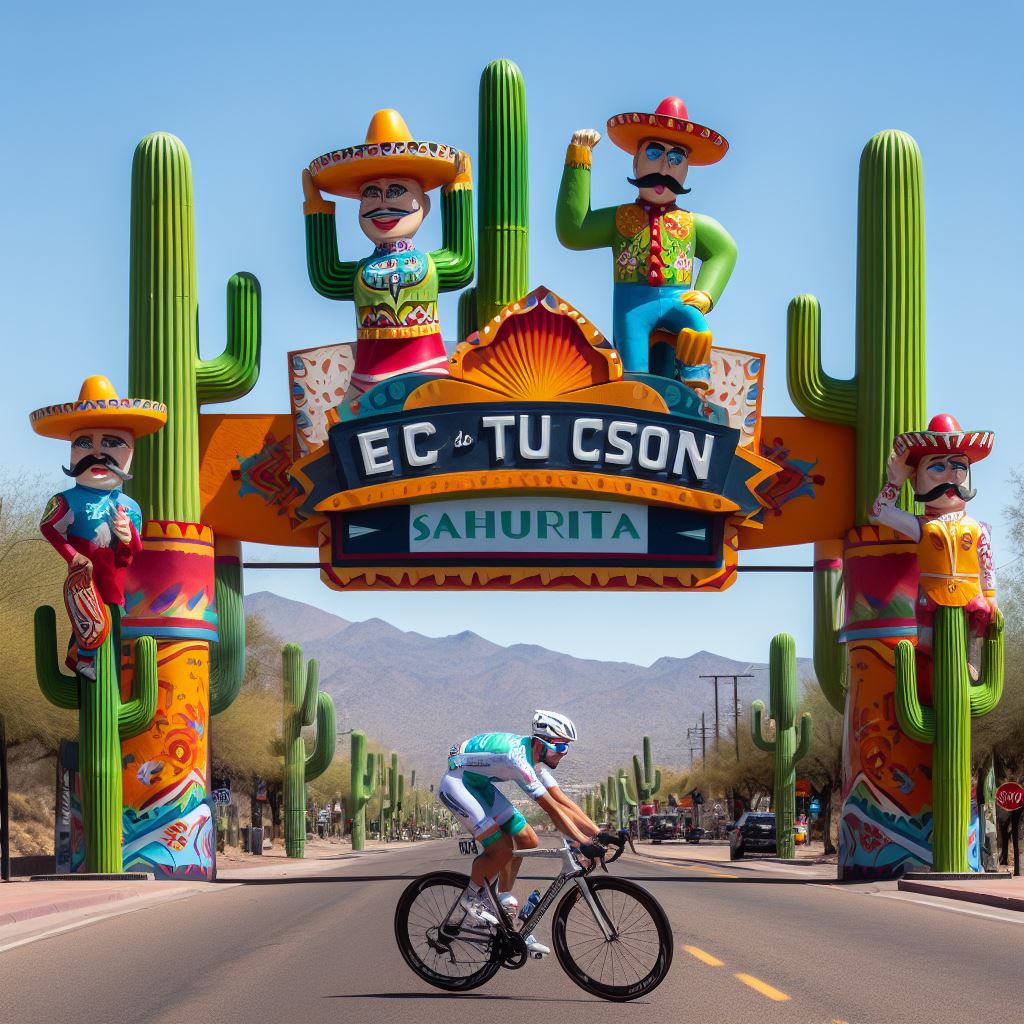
(639, 309)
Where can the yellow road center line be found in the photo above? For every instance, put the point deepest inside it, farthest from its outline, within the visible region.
(763, 987)
(703, 957)
(687, 866)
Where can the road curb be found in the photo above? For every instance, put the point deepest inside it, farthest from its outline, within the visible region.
(62, 906)
(989, 899)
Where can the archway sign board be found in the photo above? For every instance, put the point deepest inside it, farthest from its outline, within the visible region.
(528, 448)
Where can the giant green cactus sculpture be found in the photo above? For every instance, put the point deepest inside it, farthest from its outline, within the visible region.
(612, 800)
(786, 748)
(946, 725)
(503, 204)
(646, 785)
(301, 701)
(103, 721)
(627, 798)
(886, 396)
(364, 785)
(163, 339)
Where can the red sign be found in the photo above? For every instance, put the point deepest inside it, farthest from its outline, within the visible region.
(1010, 796)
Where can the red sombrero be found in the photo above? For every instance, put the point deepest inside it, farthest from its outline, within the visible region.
(943, 436)
(669, 121)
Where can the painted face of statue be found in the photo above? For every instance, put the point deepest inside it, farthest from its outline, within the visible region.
(101, 458)
(941, 482)
(660, 169)
(392, 208)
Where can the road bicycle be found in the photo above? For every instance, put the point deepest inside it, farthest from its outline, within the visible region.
(610, 935)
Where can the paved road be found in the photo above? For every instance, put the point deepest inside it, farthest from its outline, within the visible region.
(748, 948)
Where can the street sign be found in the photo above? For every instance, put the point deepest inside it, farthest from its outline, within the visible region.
(815, 807)
(221, 796)
(1010, 796)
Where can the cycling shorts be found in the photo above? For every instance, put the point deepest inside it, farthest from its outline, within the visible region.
(478, 804)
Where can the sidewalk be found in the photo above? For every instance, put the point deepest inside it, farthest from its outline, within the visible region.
(810, 862)
(1004, 893)
(28, 908)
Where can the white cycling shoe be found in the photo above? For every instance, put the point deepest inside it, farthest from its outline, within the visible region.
(478, 907)
(509, 902)
(536, 949)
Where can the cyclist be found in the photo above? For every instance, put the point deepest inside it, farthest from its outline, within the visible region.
(467, 790)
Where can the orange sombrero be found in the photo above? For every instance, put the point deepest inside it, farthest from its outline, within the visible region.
(389, 151)
(669, 121)
(944, 436)
(99, 406)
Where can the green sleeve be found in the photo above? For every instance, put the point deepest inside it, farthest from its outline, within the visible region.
(576, 224)
(716, 251)
(454, 260)
(328, 275)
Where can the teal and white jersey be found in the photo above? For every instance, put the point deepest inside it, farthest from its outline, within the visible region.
(497, 757)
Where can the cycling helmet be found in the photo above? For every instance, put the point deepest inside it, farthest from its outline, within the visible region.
(550, 725)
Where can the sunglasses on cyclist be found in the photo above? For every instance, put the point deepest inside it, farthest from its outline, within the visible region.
(558, 748)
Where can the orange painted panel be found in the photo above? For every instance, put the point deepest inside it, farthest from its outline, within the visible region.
(249, 501)
(812, 498)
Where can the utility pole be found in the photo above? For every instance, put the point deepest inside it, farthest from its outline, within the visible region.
(735, 704)
(5, 820)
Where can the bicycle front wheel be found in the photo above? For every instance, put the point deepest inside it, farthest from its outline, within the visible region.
(634, 961)
(457, 961)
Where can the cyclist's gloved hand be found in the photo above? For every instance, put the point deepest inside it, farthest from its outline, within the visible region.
(592, 851)
(609, 839)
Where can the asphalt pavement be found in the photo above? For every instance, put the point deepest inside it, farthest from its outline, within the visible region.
(752, 944)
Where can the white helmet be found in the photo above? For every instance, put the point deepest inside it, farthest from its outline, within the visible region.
(550, 725)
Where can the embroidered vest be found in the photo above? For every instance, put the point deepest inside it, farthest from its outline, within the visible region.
(947, 554)
(653, 245)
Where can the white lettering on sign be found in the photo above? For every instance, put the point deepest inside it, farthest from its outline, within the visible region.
(499, 424)
(528, 524)
(411, 433)
(542, 450)
(701, 461)
(581, 426)
(375, 456)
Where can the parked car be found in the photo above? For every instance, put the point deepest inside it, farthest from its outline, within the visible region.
(694, 834)
(661, 827)
(754, 833)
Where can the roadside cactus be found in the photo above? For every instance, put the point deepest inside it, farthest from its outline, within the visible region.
(785, 746)
(647, 782)
(946, 725)
(302, 702)
(612, 801)
(103, 721)
(364, 785)
(627, 798)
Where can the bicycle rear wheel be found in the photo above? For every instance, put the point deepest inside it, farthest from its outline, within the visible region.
(630, 965)
(454, 963)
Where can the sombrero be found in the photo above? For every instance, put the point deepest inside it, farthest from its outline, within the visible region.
(943, 437)
(389, 151)
(98, 406)
(669, 121)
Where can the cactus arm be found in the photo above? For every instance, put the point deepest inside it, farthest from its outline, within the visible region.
(629, 796)
(813, 392)
(830, 661)
(988, 691)
(331, 277)
(656, 788)
(917, 721)
(134, 716)
(59, 689)
(326, 738)
(235, 371)
(803, 747)
(756, 733)
(468, 321)
(227, 656)
(454, 260)
(310, 704)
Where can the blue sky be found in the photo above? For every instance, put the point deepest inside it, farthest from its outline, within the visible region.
(256, 92)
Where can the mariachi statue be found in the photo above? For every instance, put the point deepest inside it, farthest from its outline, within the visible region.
(954, 550)
(395, 288)
(94, 526)
(658, 307)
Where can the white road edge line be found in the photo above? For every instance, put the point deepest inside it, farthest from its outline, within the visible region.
(923, 901)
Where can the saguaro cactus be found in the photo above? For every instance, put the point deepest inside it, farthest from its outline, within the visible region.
(886, 396)
(612, 798)
(364, 785)
(946, 725)
(301, 702)
(647, 781)
(786, 748)
(626, 797)
(104, 720)
(503, 203)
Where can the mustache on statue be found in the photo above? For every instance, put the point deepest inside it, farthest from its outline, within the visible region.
(963, 493)
(96, 460)
(654, 178)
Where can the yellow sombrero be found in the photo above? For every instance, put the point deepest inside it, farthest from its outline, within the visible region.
(98, 405)
(389, 151)
(669, 121)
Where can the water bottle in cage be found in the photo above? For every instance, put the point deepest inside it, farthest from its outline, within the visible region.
(530, 905)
